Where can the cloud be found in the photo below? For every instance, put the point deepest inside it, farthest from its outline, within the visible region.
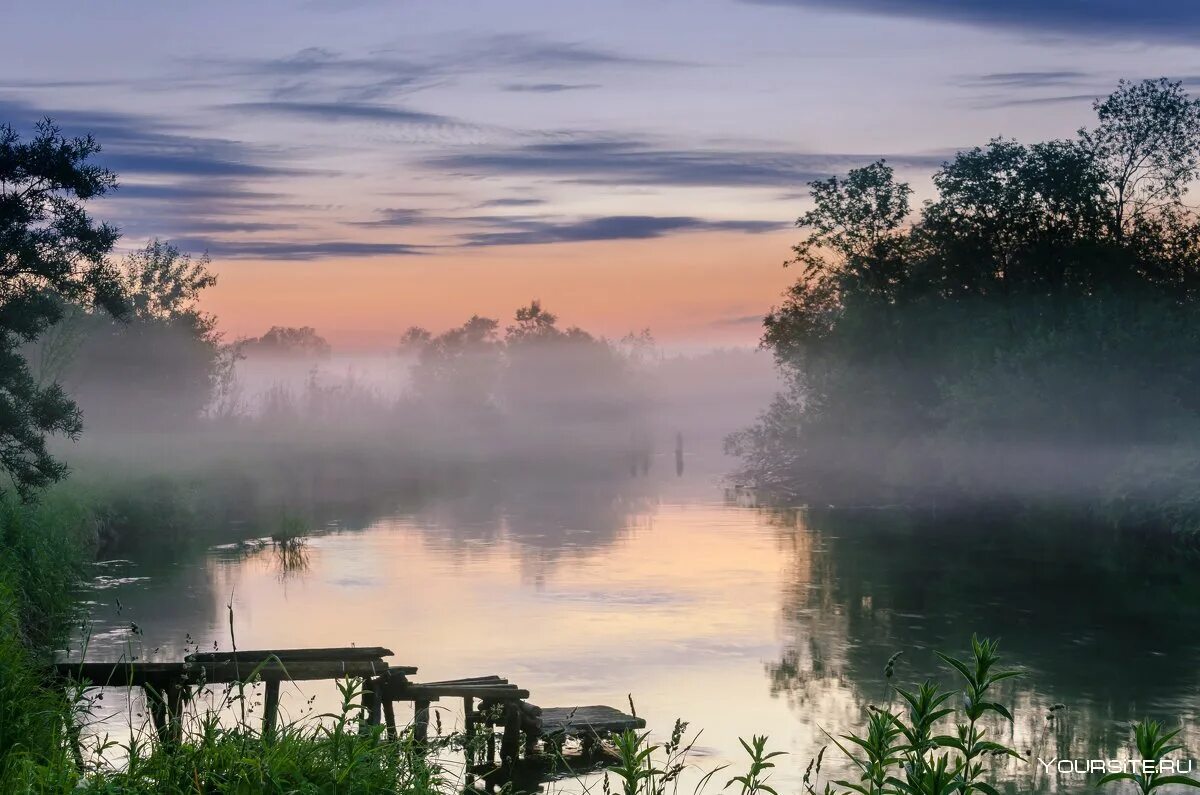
(532, 51)
(1122, 20)
(1027, 79)
(136, 145)
(548, 88)
(536, 231)
(739, 320)
(173, 181)
(1016, 102)
(320, 77)
(512, 202)
(639, 162)
(294, 249)
(316, 72)
(397, 217)
(344, 111)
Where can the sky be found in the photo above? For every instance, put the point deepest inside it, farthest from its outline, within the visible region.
(364, 166)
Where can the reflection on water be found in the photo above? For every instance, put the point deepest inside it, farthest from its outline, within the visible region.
(738, 619)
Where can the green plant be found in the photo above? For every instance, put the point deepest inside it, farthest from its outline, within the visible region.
(1153, 746)
(753, 781)
(901, 754)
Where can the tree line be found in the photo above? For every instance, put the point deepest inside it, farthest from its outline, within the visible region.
(1034, 326)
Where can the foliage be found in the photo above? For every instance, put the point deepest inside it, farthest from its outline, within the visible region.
(534, 382)
(1153, 745)
(40, 563)
(319, 753)
(1032, 326)
(290, 341)
(52, 254)
(902, 754)
(160, 365)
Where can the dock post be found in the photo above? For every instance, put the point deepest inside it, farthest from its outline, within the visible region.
(270, 707)
(510, 743)
(175, 691)
(158, 711)
(389, 717)
(371, 705)
(420, 721)
(469, 730)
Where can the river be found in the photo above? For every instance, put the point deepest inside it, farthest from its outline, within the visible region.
(703, 606)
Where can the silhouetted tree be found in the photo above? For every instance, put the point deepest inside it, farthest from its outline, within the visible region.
(160, 364)
(288, 341)
(52, 255)
(1046, 297)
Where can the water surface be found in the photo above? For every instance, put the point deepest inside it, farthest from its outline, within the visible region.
(739, 619)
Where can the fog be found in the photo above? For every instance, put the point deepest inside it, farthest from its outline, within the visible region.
(526, 401)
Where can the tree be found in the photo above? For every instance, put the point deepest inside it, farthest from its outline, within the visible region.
(303, 342)
(160, 364)
(1046, 299)
(52, 254)
(1145, 144)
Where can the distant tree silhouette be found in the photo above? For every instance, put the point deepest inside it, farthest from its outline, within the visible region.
(159, 365)
(288, 341)
(1048, 297)
(52, 255)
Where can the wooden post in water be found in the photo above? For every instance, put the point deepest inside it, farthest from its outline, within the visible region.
(175, 691)
(371, 704)
(679, 454)
(389, 718)
(157, 705)
(510, 743)
(420, 721)
(270, 707)
(469, 730)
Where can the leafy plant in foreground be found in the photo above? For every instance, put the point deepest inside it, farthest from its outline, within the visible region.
(901, 754)
(1153, 745)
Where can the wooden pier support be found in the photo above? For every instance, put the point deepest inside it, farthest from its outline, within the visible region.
(420, 721)
(510, 742)
(270, 707)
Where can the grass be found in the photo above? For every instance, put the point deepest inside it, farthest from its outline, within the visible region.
(41, 556)
(319, 754)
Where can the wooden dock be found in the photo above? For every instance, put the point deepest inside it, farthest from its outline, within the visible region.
(491, 704)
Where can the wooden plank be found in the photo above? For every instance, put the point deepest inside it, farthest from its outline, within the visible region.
(137, 674)
(584, 721)
(225, 672)
(120, 674)
(414, 692)
(470, 680)
(296, 655)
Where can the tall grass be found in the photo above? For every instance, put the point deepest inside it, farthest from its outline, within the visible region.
(320, 753)
(41, 557)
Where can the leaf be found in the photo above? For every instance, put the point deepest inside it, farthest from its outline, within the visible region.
(958, 665)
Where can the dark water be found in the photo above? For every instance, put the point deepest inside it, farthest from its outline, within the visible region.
(739, 619)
